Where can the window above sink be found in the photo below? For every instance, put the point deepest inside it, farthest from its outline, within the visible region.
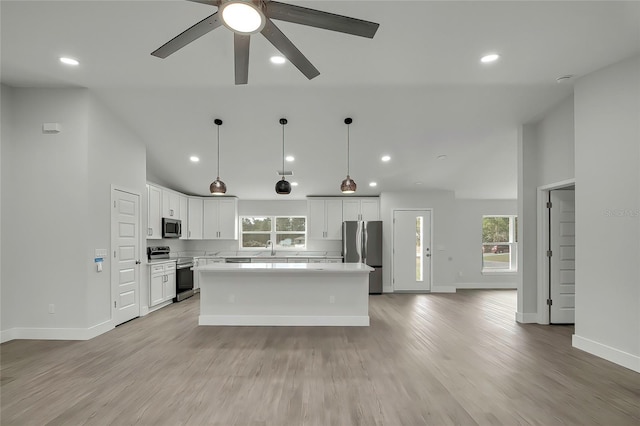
(273, 232)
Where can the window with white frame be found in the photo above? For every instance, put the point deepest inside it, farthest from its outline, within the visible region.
(284, 232)
(499, 243)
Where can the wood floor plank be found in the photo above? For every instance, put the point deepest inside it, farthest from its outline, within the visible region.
(428, 359)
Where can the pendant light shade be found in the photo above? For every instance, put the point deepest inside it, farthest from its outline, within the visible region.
(348, 186)
(282, 186)
(218, 187)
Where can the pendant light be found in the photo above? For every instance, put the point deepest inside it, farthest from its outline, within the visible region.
(282, 186)
(218, 187)
(348, 185)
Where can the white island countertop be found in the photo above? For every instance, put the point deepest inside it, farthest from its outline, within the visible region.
(284, 294)
(285, 267)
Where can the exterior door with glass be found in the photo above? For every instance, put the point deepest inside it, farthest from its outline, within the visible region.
(412, 250)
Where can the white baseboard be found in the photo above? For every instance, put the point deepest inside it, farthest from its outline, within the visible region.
(443, 289)
(284, 320)
(487, 286)
(30, 333)
(614, 355)
(527, 317)
(6, 335)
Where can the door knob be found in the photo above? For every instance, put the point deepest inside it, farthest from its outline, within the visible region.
(138, 262)
(428, 255)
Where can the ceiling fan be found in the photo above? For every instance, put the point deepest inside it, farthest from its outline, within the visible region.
(246, 17)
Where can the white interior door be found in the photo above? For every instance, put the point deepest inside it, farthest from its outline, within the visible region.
(125, 247)
(412, 250)
(562, 284)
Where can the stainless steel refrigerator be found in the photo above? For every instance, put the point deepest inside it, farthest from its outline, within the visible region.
(362, 243)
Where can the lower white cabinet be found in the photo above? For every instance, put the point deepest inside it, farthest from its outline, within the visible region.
(162, 283)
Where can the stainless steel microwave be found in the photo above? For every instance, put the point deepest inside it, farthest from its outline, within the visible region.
(171, 228)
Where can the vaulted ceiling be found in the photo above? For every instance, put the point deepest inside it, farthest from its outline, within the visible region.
(416, 91)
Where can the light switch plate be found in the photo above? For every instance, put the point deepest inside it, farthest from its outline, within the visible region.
(101, 253)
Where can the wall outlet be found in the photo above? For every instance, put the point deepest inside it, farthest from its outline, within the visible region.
(332, 299)
(232, 298)
(52, 308)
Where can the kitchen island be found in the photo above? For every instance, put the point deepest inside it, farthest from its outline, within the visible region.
(284, 294)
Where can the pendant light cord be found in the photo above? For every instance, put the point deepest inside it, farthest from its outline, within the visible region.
(218, 176)
(283, 151)
(348, 149)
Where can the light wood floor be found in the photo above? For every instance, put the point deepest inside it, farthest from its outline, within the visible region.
(426, 359)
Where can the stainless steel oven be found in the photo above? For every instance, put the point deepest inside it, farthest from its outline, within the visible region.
(184, 278)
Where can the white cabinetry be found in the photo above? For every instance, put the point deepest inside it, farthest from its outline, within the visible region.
(361, 209)
(154, 212)
(324, 219)
(183, 203)
(162, 283)
(194, 219)
(170, 204)
(220, 219)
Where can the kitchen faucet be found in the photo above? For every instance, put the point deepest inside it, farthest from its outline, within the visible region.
(273, 253)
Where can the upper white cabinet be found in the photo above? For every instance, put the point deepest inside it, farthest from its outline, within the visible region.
(183, 202)
(154, 212)
(324, 220)
(220, 219)
(361, 209)
(194, 221)
(170, 204)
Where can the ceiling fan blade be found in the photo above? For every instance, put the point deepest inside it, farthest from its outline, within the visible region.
(209, 2)
(284, 45)
(241, 54)
(208, 24)
(316, 18)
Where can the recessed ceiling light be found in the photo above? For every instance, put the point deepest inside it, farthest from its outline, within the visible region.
(386, 158)
(194, 159)
(489, 58)
(69, 61)
(290, 158)
(277, 59)
(418, 183)
(373, 184)
(442, 157)
(294, 183)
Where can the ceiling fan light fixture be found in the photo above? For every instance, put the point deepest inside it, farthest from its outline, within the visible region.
(242, 16)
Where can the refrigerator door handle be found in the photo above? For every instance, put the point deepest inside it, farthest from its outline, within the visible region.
(365, 242)
(359, 242)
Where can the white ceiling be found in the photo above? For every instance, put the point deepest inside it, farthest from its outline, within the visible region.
(415, 91)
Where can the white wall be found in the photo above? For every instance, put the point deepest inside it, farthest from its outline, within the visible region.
(443, 205)
(6, 97)
(545, 156)
(117, 157)
(44, 210)
(607, 152)
(468, 243)
(55, 210)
